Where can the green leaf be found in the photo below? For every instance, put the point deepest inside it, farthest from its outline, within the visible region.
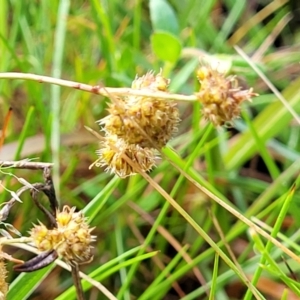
(93, 208)
(166, 46)
(25, 284)
(163, 17)
(267, 124)
(104, 271)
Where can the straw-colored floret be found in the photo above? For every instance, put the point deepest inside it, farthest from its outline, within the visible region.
(136, 127)
(113, 153)
(221, 97)
(71, 238)
(144, 121)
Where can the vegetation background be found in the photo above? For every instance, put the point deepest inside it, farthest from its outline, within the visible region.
(146, 247)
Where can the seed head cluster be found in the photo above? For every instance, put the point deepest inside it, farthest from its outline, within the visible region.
(71, 238)
(114, 150)
(137, 126)
(221, 97)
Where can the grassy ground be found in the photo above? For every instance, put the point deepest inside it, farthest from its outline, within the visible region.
(218, 217)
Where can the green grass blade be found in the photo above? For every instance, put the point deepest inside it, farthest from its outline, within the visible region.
(59, 46)
(268, 124)
(26, 283)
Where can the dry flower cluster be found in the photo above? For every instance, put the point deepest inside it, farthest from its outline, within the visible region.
(221, 97)
(139, 126)
(135, 130)
(136, 127)
(71, 238)
(68, 238)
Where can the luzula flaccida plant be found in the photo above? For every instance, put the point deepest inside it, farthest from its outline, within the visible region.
(68, 236)
(139, 126)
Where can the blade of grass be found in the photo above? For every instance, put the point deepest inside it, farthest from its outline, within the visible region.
(234, 14)
(268, 124)
(161, 215)
(93, 208)
(274, 233)
(261, 148)
(214, 289)
(100, 275)
(105, 33)
(26, 283)
(164, 274)
(137, 24)
(120, 249)
(256, 19)
(58, 50)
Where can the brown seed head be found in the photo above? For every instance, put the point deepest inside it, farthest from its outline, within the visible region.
(41, 237)
(144, 121)
(112, 153)
(71, 238)
(220, 96)
(151, 82)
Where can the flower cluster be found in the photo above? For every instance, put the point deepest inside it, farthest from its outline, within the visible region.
(71, 238)
(136, 127)
(221, 97)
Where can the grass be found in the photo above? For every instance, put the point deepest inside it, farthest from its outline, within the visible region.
(218, 217)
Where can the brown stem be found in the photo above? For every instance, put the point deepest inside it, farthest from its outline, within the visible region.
(24, 164)
(77, 281)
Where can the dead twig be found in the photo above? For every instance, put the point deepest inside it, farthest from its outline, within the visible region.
(25, 164)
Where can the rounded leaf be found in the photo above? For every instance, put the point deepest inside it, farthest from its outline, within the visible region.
(166, 46)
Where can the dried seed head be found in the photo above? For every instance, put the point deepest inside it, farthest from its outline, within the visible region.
(151, 82)
(71, 238)
(41, 237)
(3, 275)
(112, 153)
(220, 96)
(144, 121)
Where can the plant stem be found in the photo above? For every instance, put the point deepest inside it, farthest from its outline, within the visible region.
(97, 89)
(24, 164)
(77, 281)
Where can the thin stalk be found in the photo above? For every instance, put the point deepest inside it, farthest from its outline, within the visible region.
(274, 233)
(214, 287)
(270, 85)
(96, 89)
(137, 24)
(77, 281)
(25, 164)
